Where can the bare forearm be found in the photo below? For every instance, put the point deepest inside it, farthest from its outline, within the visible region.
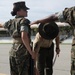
(48, 19)
(57, 42)
(26, 42)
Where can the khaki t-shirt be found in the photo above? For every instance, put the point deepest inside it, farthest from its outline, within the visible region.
(41, 42)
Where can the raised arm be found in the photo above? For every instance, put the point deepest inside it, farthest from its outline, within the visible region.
(47, 19)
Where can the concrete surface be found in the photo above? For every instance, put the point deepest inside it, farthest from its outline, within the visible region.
(61, 66)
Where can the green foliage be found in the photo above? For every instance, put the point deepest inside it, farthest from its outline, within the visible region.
(67, 28)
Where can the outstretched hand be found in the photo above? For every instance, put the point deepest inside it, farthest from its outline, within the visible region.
(33, 55)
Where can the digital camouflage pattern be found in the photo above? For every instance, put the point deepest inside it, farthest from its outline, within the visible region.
(73, 60)
(19, 56)
(13, 25)
(73, 57)
(19, 60)
(69, 16)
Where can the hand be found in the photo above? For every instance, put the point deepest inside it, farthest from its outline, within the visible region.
(33, 55)
(58, 51)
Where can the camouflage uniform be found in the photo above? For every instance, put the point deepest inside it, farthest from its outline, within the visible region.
(19, 56)
(69, 16)
(73, 57)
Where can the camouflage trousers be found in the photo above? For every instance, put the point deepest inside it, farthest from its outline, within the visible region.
(19, 60)
(73, 60)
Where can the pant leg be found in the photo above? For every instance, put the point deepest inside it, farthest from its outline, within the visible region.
(31, 66)
(13, 66)
(19, 60)
(73, 60)
(19, 66)
(49, 60)
(41, 61)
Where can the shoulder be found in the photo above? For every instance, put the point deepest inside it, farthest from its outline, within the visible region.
(38, 35)
(8, 23)
(60, 16)
(36, 38)
(24, 21)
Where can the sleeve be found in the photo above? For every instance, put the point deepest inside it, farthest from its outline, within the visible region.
(60, 16)
(24, 25)
(24, 28)
(7, 24)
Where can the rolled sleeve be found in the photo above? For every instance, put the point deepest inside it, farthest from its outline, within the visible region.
(24, 28)
(5, 25)
(60, 16)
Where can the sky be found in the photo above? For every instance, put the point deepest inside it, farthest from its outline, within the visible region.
(38, 8)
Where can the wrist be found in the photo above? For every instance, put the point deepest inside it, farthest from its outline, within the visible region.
(30, 52)
(57, 47)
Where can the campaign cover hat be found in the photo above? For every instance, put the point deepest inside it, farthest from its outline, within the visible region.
(20, 5)
(48, 30)
(17, 6)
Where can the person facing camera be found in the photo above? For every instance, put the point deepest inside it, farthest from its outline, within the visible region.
(43, 46)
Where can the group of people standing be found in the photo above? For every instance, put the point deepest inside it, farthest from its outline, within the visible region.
(43, 46)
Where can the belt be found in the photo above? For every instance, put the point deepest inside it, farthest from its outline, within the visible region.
(47, 47)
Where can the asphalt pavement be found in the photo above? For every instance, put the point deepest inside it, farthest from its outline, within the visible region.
(61, 66)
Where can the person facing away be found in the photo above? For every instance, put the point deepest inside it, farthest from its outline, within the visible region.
(20, 31)
(44, 47)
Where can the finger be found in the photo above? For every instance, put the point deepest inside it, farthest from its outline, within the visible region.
(58, 55)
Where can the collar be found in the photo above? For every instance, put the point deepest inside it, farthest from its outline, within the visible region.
(19, 16)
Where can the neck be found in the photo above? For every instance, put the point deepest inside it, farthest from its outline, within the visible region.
(17, 16)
